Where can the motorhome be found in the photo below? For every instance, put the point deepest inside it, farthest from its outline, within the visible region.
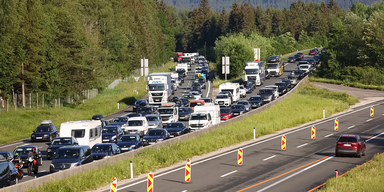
(234, 88)
(86, 132)
(255, 71)
(160, 88)
(213, 110)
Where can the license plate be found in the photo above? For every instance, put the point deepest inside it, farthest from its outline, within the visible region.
(132, 132)
(151, 143)
(39, 137)
(171, 136)
(236, 113)
(124, 148)
(105, 139)
(347, 145)
(157, 99)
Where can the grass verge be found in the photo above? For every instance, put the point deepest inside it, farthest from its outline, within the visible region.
(365, 178)
(307, 103)
(16, 125)
(349, 84)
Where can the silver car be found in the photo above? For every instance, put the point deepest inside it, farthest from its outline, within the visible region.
(154, 121)
(246, 104)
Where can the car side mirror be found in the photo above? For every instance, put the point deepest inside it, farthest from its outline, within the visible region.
(75, 143)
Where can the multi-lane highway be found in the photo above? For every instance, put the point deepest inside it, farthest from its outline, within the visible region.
(304, 165)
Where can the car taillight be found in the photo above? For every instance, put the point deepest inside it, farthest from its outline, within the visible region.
(339, 143)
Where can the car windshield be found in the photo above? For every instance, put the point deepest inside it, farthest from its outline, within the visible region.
(273, 66)
(23, 150)
(138, 102)
(110, 130)
(195, 93)
(255, 98)
(156, 87)
(127, 139)
(225, 110)
(119, 119)
(133, 115)
(175, 125)
(183, 110)
(251, 71)
(237, 107)
(265, 91)
(347, 139)
(195, 104)
(155, 132)
(166, 111)
(62, 141)
(242, 103)
(43, 129)
(135, 123)
(101, 148)
(67, 153)
(221, 96)
(152, 118)
(144, 110)
(199, 117)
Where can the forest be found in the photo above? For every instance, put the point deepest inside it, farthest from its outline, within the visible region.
(65, 46)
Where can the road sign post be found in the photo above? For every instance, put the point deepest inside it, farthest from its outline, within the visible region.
(144, 68)
(225, 66)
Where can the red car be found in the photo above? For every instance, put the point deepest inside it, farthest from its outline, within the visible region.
(225, 113)
(312, 52)
(301, 54)
(350, 145)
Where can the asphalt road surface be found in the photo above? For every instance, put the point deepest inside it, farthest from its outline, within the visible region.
(304, 165)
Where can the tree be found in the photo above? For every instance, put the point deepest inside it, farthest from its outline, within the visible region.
(223, 22)
(248, 25)
(235, 19)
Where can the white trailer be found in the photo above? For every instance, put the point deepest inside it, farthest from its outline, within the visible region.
(160, 88)
(87, 132)
(234, 88)
(182, 66)
(214, 110)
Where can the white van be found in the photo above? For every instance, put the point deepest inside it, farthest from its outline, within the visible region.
(213, 110)
(304, 67)
(199, 121)
(86, 132)
(137, 125)
(234, 88)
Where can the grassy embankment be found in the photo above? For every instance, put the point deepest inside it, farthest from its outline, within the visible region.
(349, 84)
(309, 100)
(16, 125)
(365, 178)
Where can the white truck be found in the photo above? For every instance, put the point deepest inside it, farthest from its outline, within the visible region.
(191, 55)
(169, 113)
(234, 88)
(175, 76)
(160, 88)
(86, 132)
(182, 67)
(199, 121)
(213, 110)
(255, 71)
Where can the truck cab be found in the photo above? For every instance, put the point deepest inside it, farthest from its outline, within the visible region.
(160, 88)
(275, 69)
(255, 71)
(168, 113)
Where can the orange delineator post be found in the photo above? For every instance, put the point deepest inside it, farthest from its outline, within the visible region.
(336, 124)
(114, 184)
(372, 112)
(150, 182)
(313, 132)
(284, 142)
(188, 171)
(240, 156)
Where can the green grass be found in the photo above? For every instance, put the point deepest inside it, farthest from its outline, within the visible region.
(367, 178)
(349, 84)
(16, 125)
(309, 100)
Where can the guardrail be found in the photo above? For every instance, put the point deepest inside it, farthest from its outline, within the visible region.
(69, 172)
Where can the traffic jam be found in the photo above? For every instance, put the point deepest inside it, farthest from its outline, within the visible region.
(163, 115)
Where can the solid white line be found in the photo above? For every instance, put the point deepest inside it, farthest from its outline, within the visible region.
(374, 137)
(3, 146)
(209, 87)
(251, 145)
(269, 158)
(328, 135)
(184, 191)
(350, 127)
(24, 144)
(42, 170)
(302, 145)
(229, 173)
(368, 120)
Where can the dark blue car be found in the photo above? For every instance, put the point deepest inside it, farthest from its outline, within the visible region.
(155, 135)
(255, 101)
(46, 131)
(120, 121)
(184, 113)
(129, 142)
(184, 101)
(104, 150)
(140, 103)
(237, 110)
(176, 129)
(60, 142)
(111, 133)
(70, 157)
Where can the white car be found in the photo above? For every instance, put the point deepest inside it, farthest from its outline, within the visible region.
(197, 94)
(137, 125)
(275, 90)
(223, 100)
(243, 91)
(199, 121)
(304, 67)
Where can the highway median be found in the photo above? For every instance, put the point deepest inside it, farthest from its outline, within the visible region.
(307, 103)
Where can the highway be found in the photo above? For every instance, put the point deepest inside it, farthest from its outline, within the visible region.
(304, 165)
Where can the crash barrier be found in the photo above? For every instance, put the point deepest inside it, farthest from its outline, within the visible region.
(108, 161)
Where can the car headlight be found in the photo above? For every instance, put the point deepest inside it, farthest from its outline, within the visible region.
(113, 137)
(49, 150)
(144, 140)
(133, 146)
(74, 165)
(53, 166)
(45, 135)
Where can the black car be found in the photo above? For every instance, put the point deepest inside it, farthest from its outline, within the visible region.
(46, 131)
(297, 57)
(155, 135)
(312, 62)
(70, 157)
(174, 98)
(7, 155)
(237, 109)
(266, 94)
(176, 129)
(8, 174)
(104, 150)
(129, 142)
(282, 87)
(147, 110)
(267, 75)
(291, 59)
(287, 82)
(23, 152)
(255, 101)
(274, 59)
(60, 142)
(202, 82)
(249, 83)
(316, 58)
(101, 118)
(140, 103)
(111, 134)
(184, 113)
(184, 102)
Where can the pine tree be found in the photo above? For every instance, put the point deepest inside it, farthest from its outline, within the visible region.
(223, 22)
(235, 19)
(248, 25)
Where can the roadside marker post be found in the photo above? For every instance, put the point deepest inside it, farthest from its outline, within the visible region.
(336, 173)
(188, 171)
(114, 184)
(323, 113)
(313, 132)
(336, 126)
(283, 142)
(240, 157)
(254, 133)
(131, 166)
(150, 182)
(372, 112)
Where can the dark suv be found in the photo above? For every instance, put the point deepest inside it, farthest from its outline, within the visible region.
(70, 157)
(46, 131)
(350, 144)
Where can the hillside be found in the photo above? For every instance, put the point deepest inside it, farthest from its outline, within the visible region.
(217, 5)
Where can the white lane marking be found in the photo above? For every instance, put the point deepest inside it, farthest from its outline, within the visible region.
(42, 171)
(302, 145)
(209, 87)
(3, 146)
(328, 135)
(184, 191)
(266, 159)
(24, 144)
(40, 147)
(251, 145)
(229, 173)
(368, 120)
(350, 127)
(383, 114)
(276, 183)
